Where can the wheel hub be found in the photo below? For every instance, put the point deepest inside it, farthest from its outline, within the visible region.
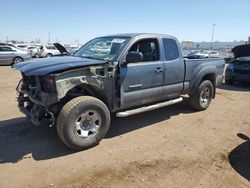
(205, 95)
(87, 124)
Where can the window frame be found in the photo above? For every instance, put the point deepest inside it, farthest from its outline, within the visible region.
(11, 50)
(155, 39)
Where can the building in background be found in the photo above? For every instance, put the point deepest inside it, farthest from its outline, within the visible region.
(189, 45)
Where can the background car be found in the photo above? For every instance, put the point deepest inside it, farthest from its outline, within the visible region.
(10, 55)
(48, 51)
(192, 54)
(22, 46)
(35, 50)
(65, 49)
(239, 69)
(208, 54)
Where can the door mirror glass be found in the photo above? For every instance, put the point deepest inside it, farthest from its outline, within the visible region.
(134, 57)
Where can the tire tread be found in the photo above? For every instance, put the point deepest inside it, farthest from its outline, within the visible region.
(65, 114)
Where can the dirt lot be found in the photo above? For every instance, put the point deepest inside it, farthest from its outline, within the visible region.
(169, 147)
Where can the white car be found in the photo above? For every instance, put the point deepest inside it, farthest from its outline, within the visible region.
(208, 53)
(22, 46)
(48, 51)
(35, 51)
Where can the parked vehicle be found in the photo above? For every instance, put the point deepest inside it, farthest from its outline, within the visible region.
(35, 52)
(207, 54)
(63, 50)
(48, 51)
(22, 46)
(6, 44)
(138, 73)
(193, 54)
(239, 69)
(31, 49)
(10, 55)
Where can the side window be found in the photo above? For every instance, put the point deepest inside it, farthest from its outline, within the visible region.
(170, 49)
(6, 49)
(149, 48)
(50, 47)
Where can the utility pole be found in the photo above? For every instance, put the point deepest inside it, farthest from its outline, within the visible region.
(49, 37)
(212, 37)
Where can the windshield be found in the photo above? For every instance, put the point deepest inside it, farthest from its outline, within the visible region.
(104, 48)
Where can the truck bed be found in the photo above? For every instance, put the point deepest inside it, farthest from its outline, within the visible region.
(197, 67)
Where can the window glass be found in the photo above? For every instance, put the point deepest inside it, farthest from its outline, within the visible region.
(149, 48)
(104, 48)
(170, 49)
(22, 46)
(51, 47)
(6, 49)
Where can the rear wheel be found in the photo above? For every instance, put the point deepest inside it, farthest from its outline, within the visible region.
(203, 95)
(83, 122)
(17, 60)
(49, 55)
(37, 55)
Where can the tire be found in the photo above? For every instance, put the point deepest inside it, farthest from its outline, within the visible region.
(37, 55)
(83, 122)
(17, 60)
(229, 82)
(203, 95)
(49, 55)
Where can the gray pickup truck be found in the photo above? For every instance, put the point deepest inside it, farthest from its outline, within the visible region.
(119, 74)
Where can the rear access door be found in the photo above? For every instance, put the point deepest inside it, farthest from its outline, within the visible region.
(174, 69)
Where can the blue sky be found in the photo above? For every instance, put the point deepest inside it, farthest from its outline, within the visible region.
(83, 20)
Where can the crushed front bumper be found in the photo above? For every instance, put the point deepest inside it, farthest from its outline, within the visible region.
(35, 111)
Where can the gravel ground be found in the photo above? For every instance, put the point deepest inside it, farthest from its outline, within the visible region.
(169, 147)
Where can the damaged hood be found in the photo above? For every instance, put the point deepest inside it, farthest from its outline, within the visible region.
(54, 64)
(241, 51)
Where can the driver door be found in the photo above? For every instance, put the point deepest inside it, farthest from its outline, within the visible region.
(142, 82)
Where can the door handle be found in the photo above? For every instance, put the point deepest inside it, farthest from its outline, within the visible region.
(158, 70)
(138, 86)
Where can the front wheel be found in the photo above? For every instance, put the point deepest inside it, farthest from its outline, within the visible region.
(83, 122)
(203, 95)
(17, 60)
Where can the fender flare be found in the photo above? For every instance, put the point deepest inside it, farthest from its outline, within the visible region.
(201, 74)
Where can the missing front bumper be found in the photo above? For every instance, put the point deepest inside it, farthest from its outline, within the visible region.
(33, 109)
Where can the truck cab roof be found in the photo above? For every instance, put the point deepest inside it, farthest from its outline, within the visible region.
(134, 35)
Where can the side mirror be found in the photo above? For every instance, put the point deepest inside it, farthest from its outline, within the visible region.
(133, 57)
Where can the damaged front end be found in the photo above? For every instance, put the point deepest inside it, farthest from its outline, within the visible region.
(34, 96)
(41, 98)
